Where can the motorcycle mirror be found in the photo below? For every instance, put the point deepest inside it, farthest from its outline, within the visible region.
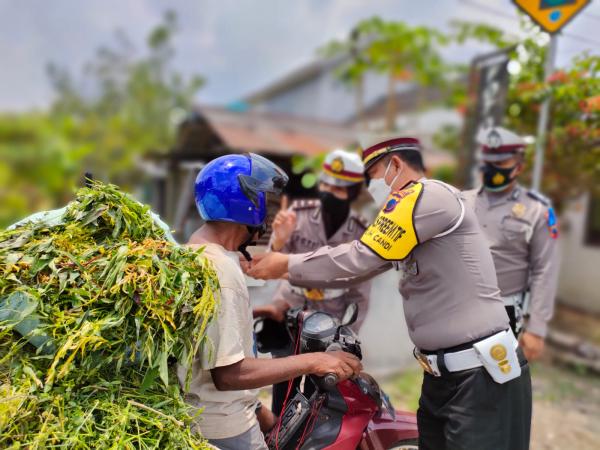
(259, 325)
(350, 315)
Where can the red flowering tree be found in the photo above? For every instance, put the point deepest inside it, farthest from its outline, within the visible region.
(572, 154)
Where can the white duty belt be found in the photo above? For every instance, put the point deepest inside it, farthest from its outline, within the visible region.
(318, 294)
(496, 353)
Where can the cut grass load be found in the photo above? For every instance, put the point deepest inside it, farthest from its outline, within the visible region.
(95, 309)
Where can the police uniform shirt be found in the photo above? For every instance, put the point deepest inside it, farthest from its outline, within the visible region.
(449, 284)
(309, 235)
(523, 246)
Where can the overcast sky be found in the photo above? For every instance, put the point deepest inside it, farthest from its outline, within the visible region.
(238, 45)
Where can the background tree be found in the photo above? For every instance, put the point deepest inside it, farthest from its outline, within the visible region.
(396, 49)
(572, 153)
(353, 67)
(123, 105)
(137, 104)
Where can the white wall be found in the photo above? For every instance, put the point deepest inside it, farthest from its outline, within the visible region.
(579, 281)
(384, 335)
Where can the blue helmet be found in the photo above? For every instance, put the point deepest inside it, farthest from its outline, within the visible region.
(233, 188)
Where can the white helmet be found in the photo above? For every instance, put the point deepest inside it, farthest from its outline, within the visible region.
(500, 144)
(342, 168)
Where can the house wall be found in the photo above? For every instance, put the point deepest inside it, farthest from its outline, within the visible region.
(580, 264)
(324, 97)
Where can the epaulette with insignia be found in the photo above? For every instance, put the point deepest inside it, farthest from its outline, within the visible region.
(308, 203)
(362, 222)
(539, 197)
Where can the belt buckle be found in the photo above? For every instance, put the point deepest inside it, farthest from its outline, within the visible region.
(424, 363)
(316, 295)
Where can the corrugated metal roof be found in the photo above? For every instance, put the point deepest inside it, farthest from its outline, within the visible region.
(276, 133)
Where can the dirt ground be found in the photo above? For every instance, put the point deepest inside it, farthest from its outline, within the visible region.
(567, 400)
(577, 322)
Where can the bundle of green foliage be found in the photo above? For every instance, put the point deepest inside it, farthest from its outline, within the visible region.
(95, 308)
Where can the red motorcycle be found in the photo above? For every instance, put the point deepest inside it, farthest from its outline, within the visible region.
(327, 414)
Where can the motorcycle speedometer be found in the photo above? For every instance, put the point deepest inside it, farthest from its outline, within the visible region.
(318, 322)
(318, 331)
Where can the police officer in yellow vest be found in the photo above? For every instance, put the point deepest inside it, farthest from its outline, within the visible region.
(310, 224)
(522, 232)
(476, 391)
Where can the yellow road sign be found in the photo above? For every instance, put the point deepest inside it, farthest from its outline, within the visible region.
(551, 15)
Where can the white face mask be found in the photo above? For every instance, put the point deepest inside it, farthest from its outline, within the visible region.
(379, 189)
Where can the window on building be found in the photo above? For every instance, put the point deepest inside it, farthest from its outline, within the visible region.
(592, 235)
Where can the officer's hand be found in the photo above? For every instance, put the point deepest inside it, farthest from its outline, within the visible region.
(532, 345)
(343, 364)
(283, 226)
(268, 266)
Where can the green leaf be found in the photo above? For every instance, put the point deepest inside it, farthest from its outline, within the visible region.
(149, 378)
(163, 367)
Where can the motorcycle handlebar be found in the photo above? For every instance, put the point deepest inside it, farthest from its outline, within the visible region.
(334, 347)
(330, 380)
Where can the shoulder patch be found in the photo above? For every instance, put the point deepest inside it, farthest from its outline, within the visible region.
(550, 215)
(308, 203)
(539, 197)
(552, 223)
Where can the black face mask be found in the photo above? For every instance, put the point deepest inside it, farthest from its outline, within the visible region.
(334, 211)
(496, 179)
(250, 242)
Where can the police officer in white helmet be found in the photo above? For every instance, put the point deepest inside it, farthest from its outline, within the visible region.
(522, 231)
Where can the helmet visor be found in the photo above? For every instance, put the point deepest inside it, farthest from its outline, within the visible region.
(265, 176)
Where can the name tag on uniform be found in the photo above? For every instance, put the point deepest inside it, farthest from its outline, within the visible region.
(392, 236)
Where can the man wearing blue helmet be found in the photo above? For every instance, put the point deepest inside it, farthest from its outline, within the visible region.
(231, 196)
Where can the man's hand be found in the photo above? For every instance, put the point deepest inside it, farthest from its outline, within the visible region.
(274, 311)
(268, 266)
(343, 364)
(283, 226)
(532, 345)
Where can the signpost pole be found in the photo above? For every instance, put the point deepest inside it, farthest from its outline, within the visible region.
(543, 118)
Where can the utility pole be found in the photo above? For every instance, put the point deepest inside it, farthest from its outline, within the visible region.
(543, 118)
(551, 16)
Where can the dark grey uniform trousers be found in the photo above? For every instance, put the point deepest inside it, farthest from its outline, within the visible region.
(468, 410)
